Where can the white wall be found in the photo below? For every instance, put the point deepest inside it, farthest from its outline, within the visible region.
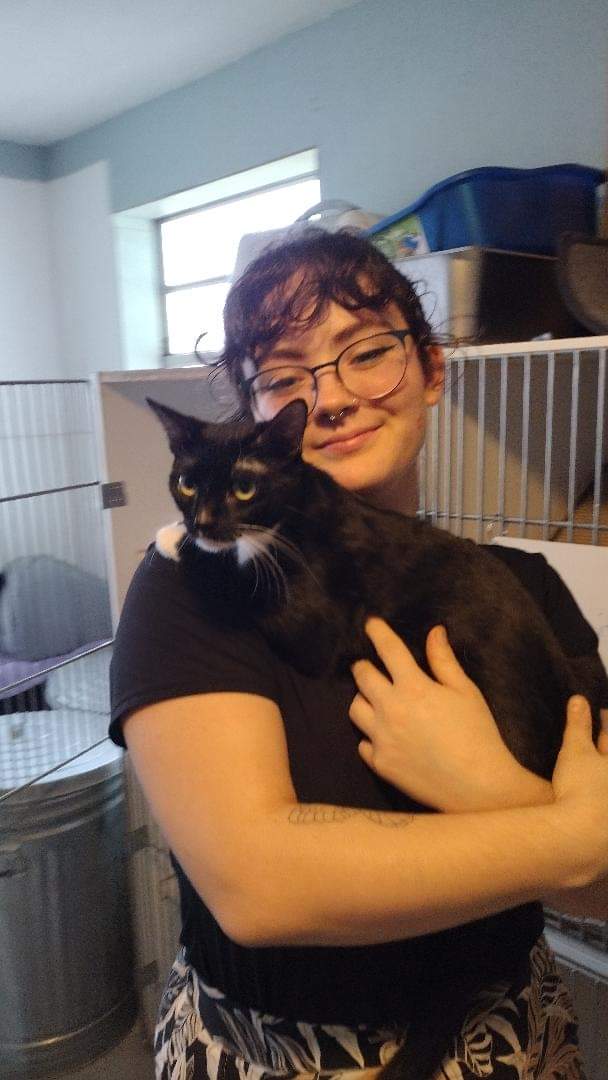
(395, 94)
(137, 276)
(58, 320)
(29, 338)
(58, 302)
(82, 258)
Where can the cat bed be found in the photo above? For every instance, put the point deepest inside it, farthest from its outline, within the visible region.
(49, 608)
(29, 673)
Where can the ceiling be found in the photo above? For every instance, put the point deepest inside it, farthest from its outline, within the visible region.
(66, 65)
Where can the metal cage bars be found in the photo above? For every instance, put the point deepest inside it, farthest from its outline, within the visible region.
(519, 445)
(49, 506)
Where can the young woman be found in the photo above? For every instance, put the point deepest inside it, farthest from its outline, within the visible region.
(314, 911)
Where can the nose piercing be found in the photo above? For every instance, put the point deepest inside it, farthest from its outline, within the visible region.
(336, 416)
(341, 413)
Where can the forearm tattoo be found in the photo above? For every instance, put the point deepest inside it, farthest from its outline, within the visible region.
(319, 814)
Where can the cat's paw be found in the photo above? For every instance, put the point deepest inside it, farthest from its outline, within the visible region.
(169, 538)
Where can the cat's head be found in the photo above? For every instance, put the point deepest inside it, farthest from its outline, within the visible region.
(232, 482)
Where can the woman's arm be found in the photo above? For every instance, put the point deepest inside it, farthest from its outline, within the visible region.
(527, 789)
(214, 768)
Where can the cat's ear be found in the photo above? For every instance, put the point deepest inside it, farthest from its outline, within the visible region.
(183, 432)
(282, 436)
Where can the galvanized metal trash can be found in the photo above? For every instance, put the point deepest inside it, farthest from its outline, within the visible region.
(66, 968)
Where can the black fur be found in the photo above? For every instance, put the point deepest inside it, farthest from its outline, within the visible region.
(357, 561)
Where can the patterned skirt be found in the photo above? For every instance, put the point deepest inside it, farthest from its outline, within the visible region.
(525, 1030)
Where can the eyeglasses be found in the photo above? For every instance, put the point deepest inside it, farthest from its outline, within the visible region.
(368, 369)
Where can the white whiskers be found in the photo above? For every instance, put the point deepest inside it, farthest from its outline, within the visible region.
(255, 548)
(270, 538)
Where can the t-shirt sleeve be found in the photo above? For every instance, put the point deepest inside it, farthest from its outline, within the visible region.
(165, 647)
(575, 635)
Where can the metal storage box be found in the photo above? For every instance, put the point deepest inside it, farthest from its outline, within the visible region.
(488, 296)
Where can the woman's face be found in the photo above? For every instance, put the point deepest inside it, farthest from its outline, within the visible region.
(373, 445)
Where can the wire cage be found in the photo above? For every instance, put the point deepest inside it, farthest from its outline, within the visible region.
(54, 606)
(518, 446)
(63, 886)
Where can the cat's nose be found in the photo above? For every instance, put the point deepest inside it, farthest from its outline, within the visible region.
(215, 530)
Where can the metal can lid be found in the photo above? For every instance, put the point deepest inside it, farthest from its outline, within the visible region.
(66, 747)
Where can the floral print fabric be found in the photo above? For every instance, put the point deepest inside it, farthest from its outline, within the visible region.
(523, 1031)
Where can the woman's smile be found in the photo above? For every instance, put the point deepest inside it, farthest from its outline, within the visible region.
(345, 443)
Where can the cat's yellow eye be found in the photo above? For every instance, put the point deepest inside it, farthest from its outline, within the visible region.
(244, 490)
(184, 488)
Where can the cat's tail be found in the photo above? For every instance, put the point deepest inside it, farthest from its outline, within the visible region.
(440, 1014)
(430, 1036)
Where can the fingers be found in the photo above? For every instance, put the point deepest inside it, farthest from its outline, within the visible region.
(392, 650)
(578, 722)
(602, 742)
(362, 714)
(443, 662)
(366, 751)
(399, 661)
(369, 680)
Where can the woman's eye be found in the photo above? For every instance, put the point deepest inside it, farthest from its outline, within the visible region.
(244, 490)
(371, 356)
(281, 386)
(184, 488)
(279, 382)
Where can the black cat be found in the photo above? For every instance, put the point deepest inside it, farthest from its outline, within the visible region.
(288, 549)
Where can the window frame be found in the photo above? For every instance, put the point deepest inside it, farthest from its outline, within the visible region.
(178, 359)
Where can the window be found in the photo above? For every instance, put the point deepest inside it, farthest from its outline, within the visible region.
(199, 249)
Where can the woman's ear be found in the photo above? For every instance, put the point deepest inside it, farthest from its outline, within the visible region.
(434, 374)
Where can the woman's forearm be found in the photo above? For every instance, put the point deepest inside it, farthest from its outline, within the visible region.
(380, 877)
(512, 787)
(525, 788)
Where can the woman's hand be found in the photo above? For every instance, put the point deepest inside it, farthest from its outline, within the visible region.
(434, 739)
(580, 787)
(581, 767)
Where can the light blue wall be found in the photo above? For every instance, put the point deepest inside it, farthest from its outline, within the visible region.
(396, 94)
(23, 162)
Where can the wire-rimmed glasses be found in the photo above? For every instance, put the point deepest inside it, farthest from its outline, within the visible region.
(369, 369)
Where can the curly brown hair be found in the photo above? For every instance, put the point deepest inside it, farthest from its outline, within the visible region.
(290, 285)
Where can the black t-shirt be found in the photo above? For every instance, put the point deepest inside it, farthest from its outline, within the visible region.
(165, 648)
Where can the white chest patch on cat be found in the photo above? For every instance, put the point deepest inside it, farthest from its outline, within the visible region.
(213, 545)
(255, 543)
(169, 538)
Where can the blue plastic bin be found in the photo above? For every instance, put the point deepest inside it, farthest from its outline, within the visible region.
(512, 209)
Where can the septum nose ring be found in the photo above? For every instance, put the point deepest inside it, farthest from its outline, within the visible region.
(336, 416)
(340, 414)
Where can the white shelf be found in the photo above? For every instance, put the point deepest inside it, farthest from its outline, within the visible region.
(519, 348)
